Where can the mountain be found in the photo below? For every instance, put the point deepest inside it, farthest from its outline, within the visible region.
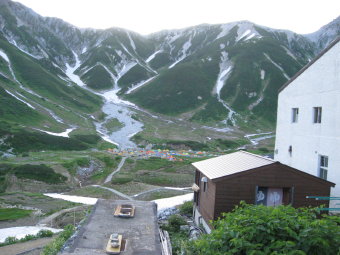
(326, 34)
(53, 74)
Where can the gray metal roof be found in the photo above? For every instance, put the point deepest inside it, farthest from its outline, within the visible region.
(230, 164)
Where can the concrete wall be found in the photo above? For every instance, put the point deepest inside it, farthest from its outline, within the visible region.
(317, 86)
(199, 220)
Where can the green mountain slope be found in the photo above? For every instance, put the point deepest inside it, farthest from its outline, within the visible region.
(223, 75)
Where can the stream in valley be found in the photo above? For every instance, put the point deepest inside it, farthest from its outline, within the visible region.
(115, 108)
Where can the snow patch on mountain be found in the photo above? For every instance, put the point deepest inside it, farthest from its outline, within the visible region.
(4, 56)
(70, 72)
(21, 48)
(21, 100)
(225, 29)
(131, 41)
(243, 35)
(54, 116)
(140, 84)
(151, 57)
(225, 69)
(278, 66)
(111, 96)
(137, 60)
(246, 31)
(183, 53)
(62, 134)
(263, 73)
(289, 52)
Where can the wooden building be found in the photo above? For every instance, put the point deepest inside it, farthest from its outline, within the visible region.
(222, 182)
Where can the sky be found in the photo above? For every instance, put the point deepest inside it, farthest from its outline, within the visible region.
(148, 16)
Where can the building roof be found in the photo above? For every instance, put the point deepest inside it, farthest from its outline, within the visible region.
(140, 232)
(231, 164)
(310, 63)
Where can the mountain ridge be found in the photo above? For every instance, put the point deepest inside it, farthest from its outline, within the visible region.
(224, 75)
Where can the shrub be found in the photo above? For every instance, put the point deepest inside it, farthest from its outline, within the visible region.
(11, 240)
(251, 229)
(186, 208)
(45, 233)
(175, 222)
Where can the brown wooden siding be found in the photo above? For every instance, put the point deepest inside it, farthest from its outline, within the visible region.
(206, 199)
(230, 191)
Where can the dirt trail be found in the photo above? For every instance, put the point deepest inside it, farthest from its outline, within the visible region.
(109, 178)
(19, 248)
(114, 191)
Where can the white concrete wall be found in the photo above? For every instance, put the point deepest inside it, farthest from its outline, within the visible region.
(199, 220)
(317, 86)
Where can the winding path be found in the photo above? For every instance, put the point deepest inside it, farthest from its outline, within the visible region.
(109, 178)
(50, 218)
(161, 188)
(114, 191)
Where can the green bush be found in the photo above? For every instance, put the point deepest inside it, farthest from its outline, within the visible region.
(186, 208)
(12, 240)
(45, 233)
(251, 229)
(175, 221)
(54, 247)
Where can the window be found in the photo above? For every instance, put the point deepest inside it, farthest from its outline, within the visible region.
(295, 115)
(323, 167)
(317, 114)
(205, 183)
(269, 196)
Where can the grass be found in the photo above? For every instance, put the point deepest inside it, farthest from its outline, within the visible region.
(156, 171)
(94, 192)
(98, 78)
(113, 125)
(38, 172)
(182, 88)
(110, 165)
(13, 213)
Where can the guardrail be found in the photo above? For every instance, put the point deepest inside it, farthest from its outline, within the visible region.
(326, 198)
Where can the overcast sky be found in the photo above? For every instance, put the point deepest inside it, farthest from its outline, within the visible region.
(147, 16)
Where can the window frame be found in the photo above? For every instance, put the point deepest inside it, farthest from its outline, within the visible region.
(323, 166)
(317, 115)
(295, 115)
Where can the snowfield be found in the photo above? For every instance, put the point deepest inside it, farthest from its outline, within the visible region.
(21, 232)
(62, 134)
(165, 203)
(75, 199)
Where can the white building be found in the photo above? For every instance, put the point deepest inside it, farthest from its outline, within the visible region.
(308, 119)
